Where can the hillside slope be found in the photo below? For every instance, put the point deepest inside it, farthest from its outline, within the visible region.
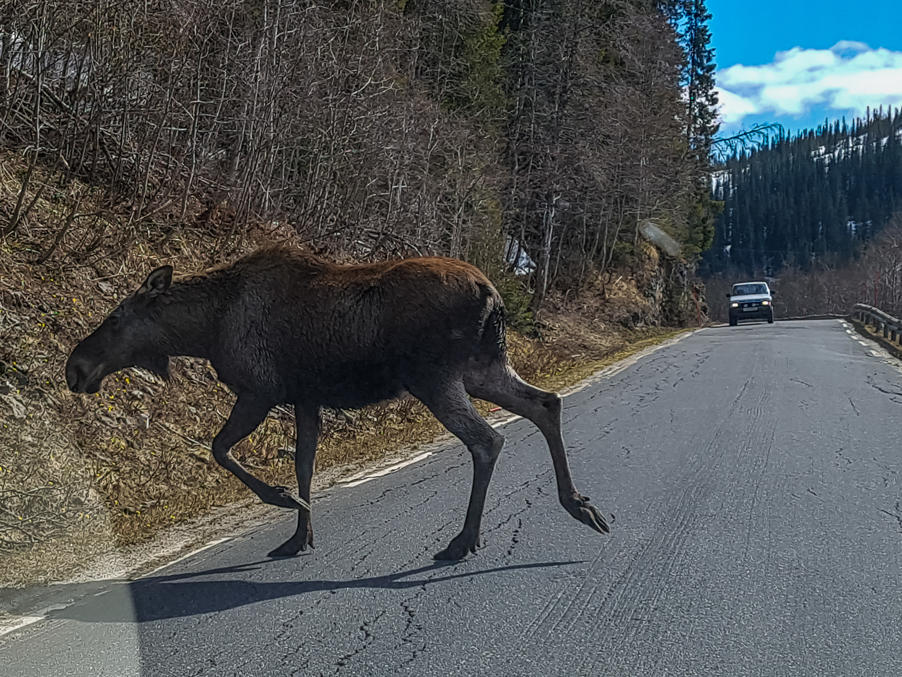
(192, 131)
(82, 474)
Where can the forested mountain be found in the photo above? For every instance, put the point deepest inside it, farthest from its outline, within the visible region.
(808, 199)
(374, 128)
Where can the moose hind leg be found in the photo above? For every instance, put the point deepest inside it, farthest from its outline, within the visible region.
(453, 409)
(308, 426)
(500, 384)
(246, 415)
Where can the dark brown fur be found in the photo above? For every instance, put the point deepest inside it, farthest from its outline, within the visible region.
(281, 326)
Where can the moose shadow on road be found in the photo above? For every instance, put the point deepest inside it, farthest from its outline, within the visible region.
(179, 595)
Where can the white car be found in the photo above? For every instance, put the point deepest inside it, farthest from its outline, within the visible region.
(751, 301)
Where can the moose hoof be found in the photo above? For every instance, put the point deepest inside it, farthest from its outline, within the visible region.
(585, 512)
(287, 549)
(293, 546)
(457, 549)
(282, 497)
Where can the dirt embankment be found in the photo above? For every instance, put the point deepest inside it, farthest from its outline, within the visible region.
(81, 475)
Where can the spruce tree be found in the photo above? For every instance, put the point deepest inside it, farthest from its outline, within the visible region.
(813, 197)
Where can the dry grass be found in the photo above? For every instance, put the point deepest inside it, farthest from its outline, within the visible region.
(82, 474)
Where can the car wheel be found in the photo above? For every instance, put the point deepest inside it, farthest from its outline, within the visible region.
(770, 318)
(733, 321)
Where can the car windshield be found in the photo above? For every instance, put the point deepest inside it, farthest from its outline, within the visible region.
(749, 289)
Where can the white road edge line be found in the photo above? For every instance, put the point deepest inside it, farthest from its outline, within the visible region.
(877, 350)
(188, 554)
(386, 471)
(14, 623)
(607, 372)
(626, 363)
(18, 622)
(504, 421)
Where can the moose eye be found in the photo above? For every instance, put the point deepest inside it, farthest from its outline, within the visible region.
(115, 320)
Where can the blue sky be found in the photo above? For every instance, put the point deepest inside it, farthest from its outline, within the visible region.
(797, 62)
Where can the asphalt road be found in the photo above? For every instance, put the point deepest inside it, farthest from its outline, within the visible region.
(753, 473)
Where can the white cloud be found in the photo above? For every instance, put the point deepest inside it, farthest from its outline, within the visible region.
(851, 46)
(846, 78)
(733, 108)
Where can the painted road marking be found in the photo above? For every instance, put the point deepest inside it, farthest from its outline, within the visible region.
(188, 554)
(625, 363)
(607, 372)
(388, 470)
(14, 623)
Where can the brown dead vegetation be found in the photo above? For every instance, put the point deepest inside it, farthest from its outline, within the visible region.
(191, 132)
(83, 474)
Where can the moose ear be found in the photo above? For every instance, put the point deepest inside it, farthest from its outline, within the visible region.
(157, 282)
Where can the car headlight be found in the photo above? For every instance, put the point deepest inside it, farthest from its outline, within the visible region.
(734, 305)
(765, 302)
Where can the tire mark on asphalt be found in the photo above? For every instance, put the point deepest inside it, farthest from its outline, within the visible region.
(651, 574)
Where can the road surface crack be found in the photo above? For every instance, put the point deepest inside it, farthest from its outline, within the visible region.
(885, 390)
(366, 638)
(842, 456)
(895, 515)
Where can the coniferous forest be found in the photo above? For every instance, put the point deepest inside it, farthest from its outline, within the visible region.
(808, 200)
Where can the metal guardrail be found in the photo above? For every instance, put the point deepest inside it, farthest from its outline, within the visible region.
(889, 326)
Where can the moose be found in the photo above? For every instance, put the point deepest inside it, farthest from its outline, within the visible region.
(282, 326)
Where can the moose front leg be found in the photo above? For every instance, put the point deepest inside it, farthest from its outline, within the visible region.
(246, 415)
(308, 426)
